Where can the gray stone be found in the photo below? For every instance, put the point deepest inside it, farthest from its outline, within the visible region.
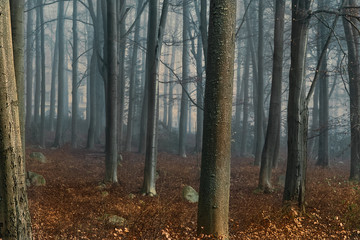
(35, 179)
(190, 194)
(38, 156)
(116, 220)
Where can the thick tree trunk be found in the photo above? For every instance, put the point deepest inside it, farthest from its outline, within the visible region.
(15, 221)
(111, 94)
(184, 82)
(213, 208)
(61, 79)
(272, 140)
(297, 110)
(352, 40)
(74, 104)
(17, 30)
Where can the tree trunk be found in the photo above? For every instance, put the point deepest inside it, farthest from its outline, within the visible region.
(54, 71)
(259, 120)
(323, 153)
(121, 80)
(199, 97)
(37, 74)
(43, 82)
(74, 109)
(129, 131)
(184, 82)
(111, 94)
(17, 30)
(61, 80)
(244, 130)
(14, 213)
(213, 208)
(171, 90)
(272, 140)
(152, 59)
(352, 40)
(297, 110)
(29, 67)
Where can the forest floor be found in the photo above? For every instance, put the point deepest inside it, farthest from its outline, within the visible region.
(75, 205)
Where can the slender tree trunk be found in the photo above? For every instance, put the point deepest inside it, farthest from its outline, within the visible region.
(259, 121)
(93, 104)
(61, 79)
(29, 67)
(152, 59)
(204, 27)
(297, 110)
(121, 80)
(37, 74)
(171, 90)
(185, 78)
(272, 140)
(14, 213)
(54, 71)
(213, 208)
(75, 107)
(111, 94)
(199, 97)
(244, 130)
(323, 153)
(43, 82)
(134, 60)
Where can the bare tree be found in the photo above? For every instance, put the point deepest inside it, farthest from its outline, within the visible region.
(14, 213)
(213, 208)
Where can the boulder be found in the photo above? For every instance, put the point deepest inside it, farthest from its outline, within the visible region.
(35, 179)
(190, 194)
(116, 220)
(38, 156)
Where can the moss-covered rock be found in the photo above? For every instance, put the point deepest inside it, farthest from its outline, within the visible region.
(35, 179)
(190, 194)
(38, 156)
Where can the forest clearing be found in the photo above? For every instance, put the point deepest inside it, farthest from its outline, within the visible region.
(74, 205)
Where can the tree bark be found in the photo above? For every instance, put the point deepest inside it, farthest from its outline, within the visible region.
(74, 104)
(43, 82)
(323, 151)
(134, 60)
(259, 120)
(17, 30)
(61, 79)
(154, 51)
(213, 208)
(184, 82)
(294, 191)
(111, 94)
(14, 213)
(29, 67)
(352, 40)
(272, 140)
